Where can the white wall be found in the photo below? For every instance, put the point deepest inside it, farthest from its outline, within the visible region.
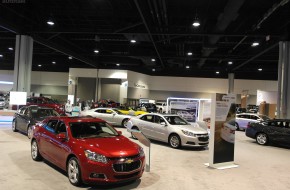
(269, 97)
(49, 78)
(6, 76)
(93, 73)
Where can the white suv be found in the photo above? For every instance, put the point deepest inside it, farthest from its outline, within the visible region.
(161, 107)
(243, 119)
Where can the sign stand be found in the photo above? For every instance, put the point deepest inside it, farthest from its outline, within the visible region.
(222, 132)
(146, 142)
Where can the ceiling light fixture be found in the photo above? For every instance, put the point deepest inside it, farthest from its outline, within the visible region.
(217, 72)
(230, 62)
(96, 51)
(133, 41)
(10, 48)
(53, 62)
(187, 67)
(39, 65)
(189, 53)
(70, 57)
(153, 60)
(260, 69)
(153, 70)
(118, 64)
(1, 55)
(50, 22)
(196, 23)
(254, 44)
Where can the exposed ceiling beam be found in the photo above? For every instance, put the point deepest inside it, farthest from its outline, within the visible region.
(149, 32)
(256, 56)
(47, 43)
(153, 34)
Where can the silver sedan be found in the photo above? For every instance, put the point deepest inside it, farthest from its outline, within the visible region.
(110, 115)
(171, 129)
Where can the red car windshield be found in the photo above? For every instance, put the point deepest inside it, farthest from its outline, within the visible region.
(92, 130)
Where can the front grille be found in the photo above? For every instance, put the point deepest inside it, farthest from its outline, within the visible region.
(127, 167)
(203, 138)
(126, 176)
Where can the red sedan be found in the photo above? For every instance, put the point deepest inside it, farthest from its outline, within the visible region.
(88, 149)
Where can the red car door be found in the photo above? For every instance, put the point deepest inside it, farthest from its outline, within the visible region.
(60, 148)
(46, 139)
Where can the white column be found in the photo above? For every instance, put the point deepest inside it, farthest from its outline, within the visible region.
(23, 63)
(231, 83)
(283, 102)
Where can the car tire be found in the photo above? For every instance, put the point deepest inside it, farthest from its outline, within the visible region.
(237, 126)
(29, 131)
(134, 128)
(124, 122)
(35, 155)
(174, 141)
(74, 172)
(262, 139)
(14, 128)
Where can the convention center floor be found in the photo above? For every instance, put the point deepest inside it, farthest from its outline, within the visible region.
(259, 168)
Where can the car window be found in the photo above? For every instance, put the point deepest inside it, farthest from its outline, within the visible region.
(176, 120)
(27, 112)
(254, 117)
(158, 119)
(51, 126)
(21, 110)
(92, 130)
(148, 118)
(60, 128)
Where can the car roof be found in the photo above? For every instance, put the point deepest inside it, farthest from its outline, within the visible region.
(76, 119)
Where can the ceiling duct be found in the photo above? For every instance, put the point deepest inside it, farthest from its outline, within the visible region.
(230, 14)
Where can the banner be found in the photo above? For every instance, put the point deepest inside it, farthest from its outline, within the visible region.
(222, 129)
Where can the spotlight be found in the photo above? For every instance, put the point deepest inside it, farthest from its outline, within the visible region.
(70, 57)
(118, 64)
(254, 44)
(133, 41)
(96, 51)
(1, 55)
(260, 69)
(153, 60)
(189, 53)
(217, 72)
(53, 62)
(153, 70)
(50, 22)
(230, 62)
(39, 65)
(187, 67)
(196, 23)
(10, 48)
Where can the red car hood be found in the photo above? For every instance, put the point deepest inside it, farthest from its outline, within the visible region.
(118, 146)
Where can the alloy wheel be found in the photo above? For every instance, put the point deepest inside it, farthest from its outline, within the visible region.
(174, 141)
(73, 171)
(14, 126)
(262, 139)
(29, 132)
(35, 151)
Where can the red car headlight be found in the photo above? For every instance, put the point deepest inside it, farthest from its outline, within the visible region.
(96, 157)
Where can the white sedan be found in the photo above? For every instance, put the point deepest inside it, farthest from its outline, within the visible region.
(112, 116)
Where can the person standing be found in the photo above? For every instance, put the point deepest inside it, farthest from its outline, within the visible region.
(68, 107)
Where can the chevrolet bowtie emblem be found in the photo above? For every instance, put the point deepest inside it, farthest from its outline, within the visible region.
(129, 161)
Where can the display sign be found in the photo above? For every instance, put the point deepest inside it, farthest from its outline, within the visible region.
(187, 108)
(18, 98)
(146, 142)
(222, 130)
